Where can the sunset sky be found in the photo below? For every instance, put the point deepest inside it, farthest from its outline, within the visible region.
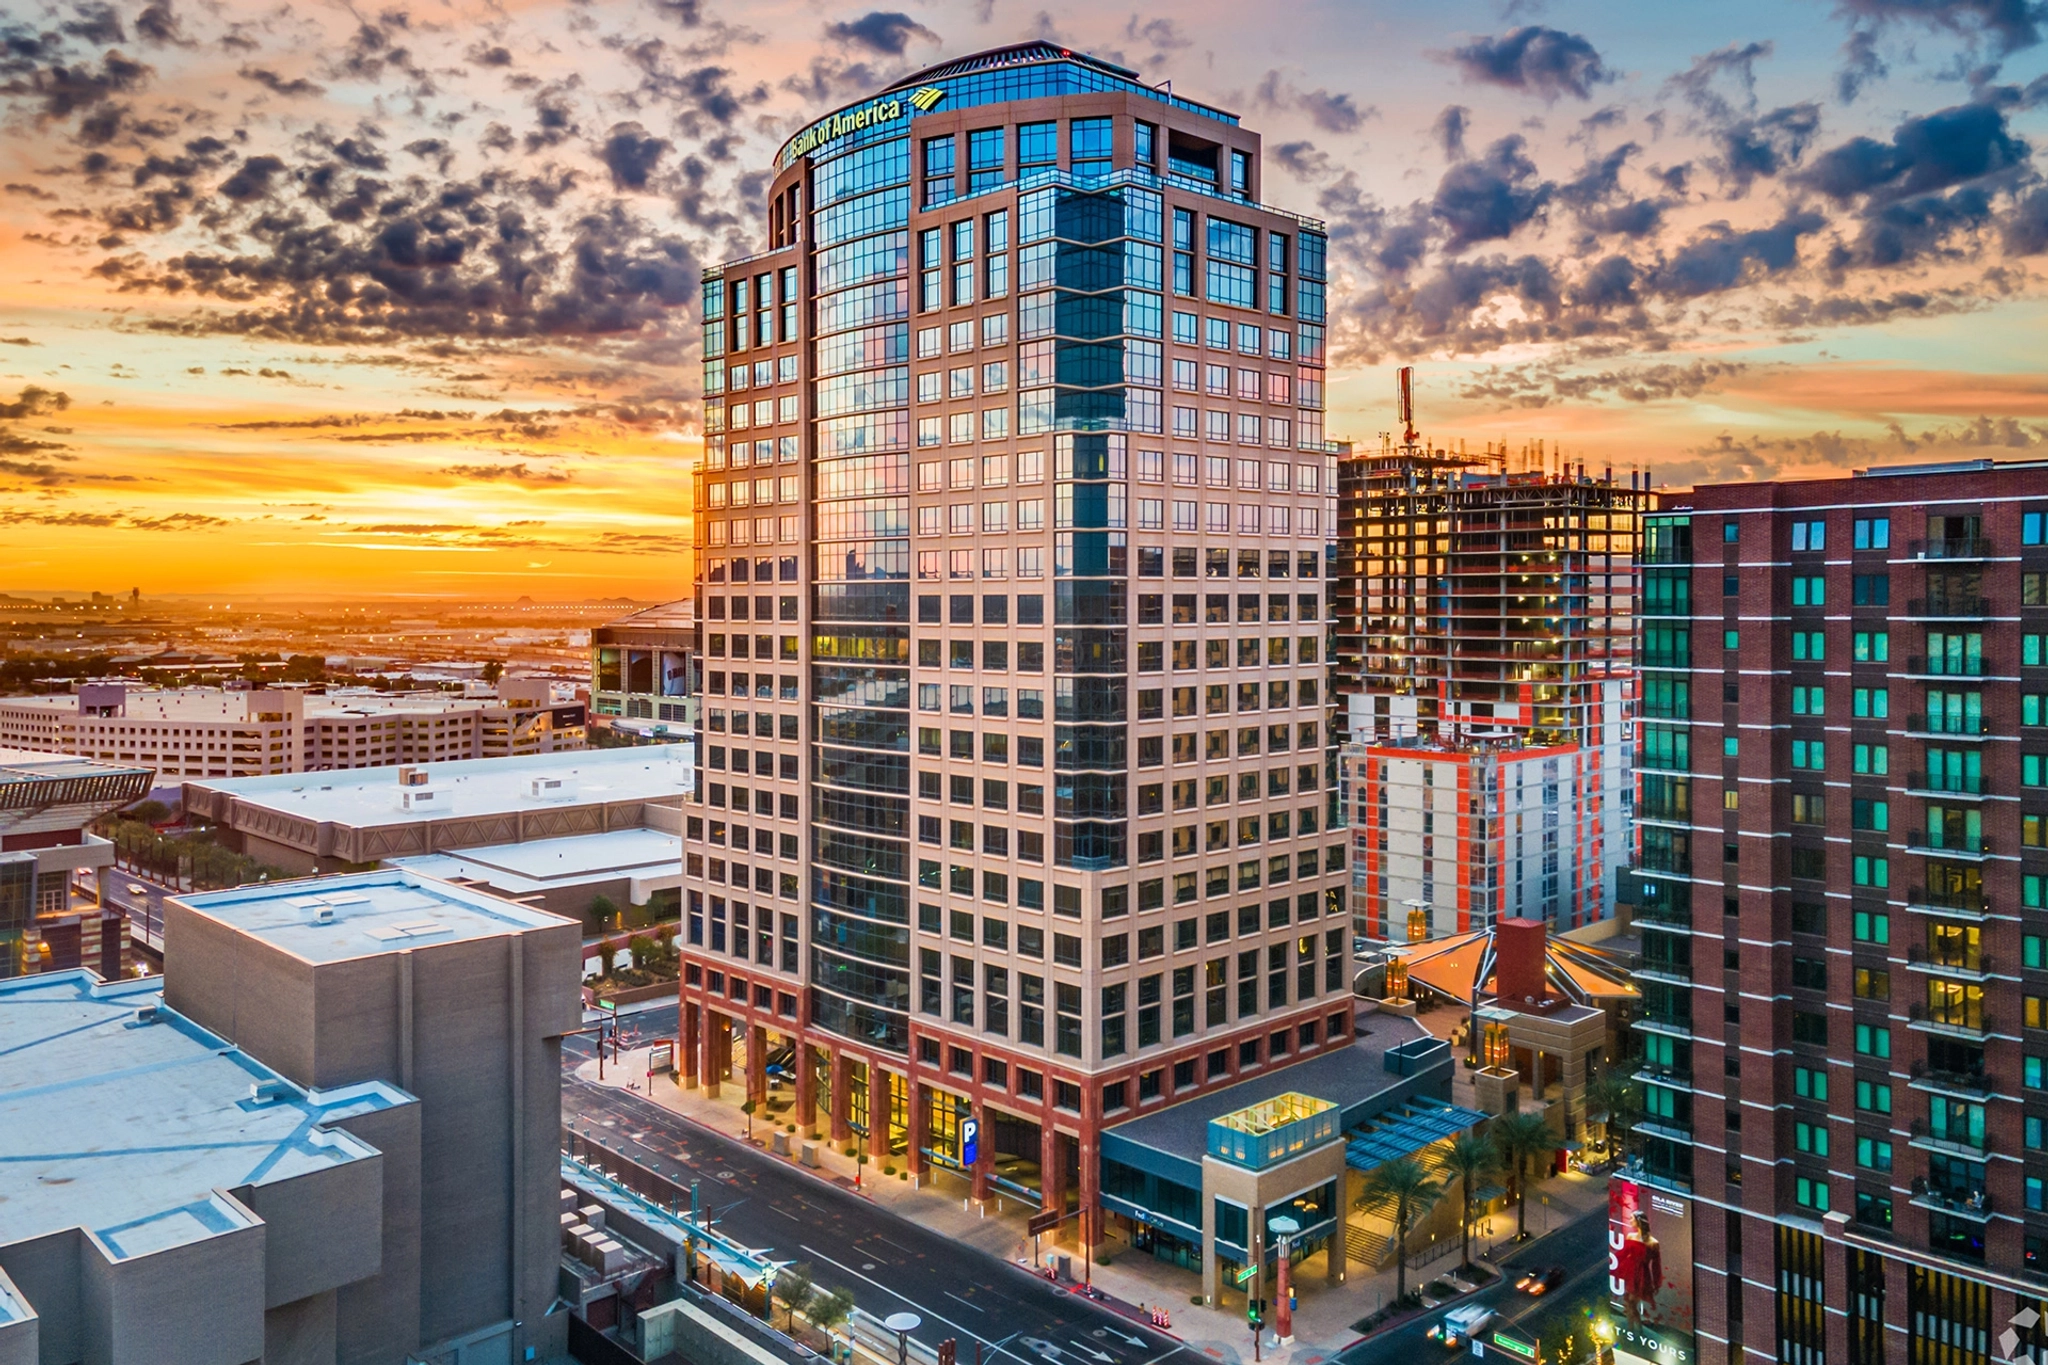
(333, 299)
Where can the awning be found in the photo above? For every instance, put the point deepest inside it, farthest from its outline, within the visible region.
(1407, 1132)
(747, 1272)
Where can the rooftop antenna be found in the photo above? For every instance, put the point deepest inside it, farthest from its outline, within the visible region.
(1409, 433)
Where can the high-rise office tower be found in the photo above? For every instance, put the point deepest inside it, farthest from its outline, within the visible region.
(1841, 825)
(1484, 612)
(1017, 785)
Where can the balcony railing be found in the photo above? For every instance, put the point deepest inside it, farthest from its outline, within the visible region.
(1932, 723)
(1979, 965)
(1962, 1023)
(1923, 667)
(1949, 608)
(1925, 1137)
(1981, 847)
(1960, 547)
(1973, 1204)
(1676, 1077)
(1976, 1085)
(1942, 784)
(1958, 906)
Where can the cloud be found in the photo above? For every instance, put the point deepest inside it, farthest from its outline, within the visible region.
(1751, 149)
(1697, 83)
(1539, 385)
(887, 32)
(1489, 198)
(1539, 60)
(1927, 153)
(631, 154)
(1332, 112)
(34, 401)
(291, 88)
(515, 473)
(2008, 25)
(1718, 257)
(1449, 130)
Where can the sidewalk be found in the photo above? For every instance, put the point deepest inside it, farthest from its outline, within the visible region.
(1133, 1280)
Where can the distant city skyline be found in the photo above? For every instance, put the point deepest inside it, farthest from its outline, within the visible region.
(316, 304)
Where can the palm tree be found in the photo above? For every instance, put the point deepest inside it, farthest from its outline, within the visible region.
(1469, 1159)
(1521, 1138)
(1611, 1097)
(1412, 1191)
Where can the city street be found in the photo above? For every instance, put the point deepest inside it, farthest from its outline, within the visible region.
(1578, 1246)
(889, 1264)
(892, 1264)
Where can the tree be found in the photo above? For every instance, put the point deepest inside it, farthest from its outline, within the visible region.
(603, 909)
(797, 1290)
(1521, 1138)
(832, 1308)
(149, 812)
(1469, 1159)
(493, 670)
(1412, 1191)
(1610, 1099)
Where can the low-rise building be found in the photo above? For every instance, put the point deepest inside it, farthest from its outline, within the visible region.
(199, 732)
(644, 674)
(341, 821)
(328, 1133)
(46, 801)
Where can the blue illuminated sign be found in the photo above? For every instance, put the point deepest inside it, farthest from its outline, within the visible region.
(970, 1141)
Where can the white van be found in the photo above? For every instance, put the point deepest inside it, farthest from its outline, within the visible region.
(1461, 1325)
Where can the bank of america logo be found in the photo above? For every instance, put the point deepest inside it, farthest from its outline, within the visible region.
(925, 97)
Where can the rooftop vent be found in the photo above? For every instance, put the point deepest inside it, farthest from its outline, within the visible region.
(144, 1015)
(411, 775)
(269, 1091)
(324, 915)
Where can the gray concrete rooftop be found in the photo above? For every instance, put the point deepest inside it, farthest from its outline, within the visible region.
(333, 919)
(542, 864)
(127, 1129)
(475, 786)
(1347, 1077)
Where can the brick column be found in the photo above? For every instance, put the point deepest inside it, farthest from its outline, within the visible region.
(1089, 1178)
(985, 1158)
(710, 1072)
(757, 1065)
(915, 1137)
(878, 1111)
(1051, 1179)
(837, 1098)
(806, 1090)
(688, 1026)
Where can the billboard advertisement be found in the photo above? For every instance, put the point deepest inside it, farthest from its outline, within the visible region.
(1649, 1273)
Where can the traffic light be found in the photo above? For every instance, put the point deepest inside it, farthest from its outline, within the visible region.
(1255, 1313)
(948, 1349)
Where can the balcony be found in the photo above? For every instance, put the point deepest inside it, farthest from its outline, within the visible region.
(1948, 609)
(1975, 1086)
(1969, 850)
(1960, 547)
(1973, 1025)
(1970, 966)
(1974, 1205)
(1937, 786)
(1670, 1024)
(1918, 666)
(1926, 726)
(1650, 1128)
(1927, 1140)
(1664, 915)
(1670, 973)
(1670, 1076)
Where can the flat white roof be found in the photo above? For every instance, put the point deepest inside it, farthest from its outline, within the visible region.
(545, 864)
(367, 913)
(474, 786)
(197, 705)
(127, 1129)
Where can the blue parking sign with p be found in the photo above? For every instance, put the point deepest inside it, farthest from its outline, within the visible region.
(970, 1141)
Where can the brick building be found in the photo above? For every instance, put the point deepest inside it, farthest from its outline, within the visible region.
(1841, 760)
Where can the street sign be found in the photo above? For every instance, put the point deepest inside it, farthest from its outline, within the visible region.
(1246, 1274)
(1043, 1222)
(970, 1141)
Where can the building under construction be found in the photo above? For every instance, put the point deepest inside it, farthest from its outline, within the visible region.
(1485, 605)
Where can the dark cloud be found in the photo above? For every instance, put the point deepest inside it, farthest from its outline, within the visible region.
(1449, 130)
(514, 473)
(252, 179)
(1927, 153)
(62, 90)
(1542, 61)
(1539, 385)
(2007, 25)
(1698, 83)
(1303, 159)
(1487, 199)
(1719, 258)
(1751, 149)
(290, 87)
(34, 401)
(887, 32)
(490, 56)
(1861, 65)
(1332, 112)
(2025, 229)
(98, 24)
(631, 153)
(159, 26)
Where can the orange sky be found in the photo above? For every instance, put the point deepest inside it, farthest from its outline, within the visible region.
(207, 384)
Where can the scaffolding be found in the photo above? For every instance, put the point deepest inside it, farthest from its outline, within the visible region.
(1483, 598)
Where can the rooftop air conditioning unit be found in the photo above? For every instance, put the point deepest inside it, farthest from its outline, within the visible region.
(324, 915)
(424, 800)
(550, 789)
(269, 1091)
(411, 775)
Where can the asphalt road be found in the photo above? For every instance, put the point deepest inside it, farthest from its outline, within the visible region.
(1579, 1246)
(889, 1263)
(145, 912)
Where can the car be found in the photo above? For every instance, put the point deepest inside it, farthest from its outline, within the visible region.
(137, 889)
(1541, 1281)
(1461, 1325)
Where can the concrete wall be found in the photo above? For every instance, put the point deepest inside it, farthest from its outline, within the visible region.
(196, 1304)
(324, 1229)
(241, 988)
(44, 1271)
(377, 1320)
(300, 1333)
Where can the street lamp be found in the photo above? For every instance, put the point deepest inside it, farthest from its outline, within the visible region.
(1284, 1228)
(903, 1324)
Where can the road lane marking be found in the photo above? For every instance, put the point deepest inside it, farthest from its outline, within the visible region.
(995, 1347)
(957, 1299)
